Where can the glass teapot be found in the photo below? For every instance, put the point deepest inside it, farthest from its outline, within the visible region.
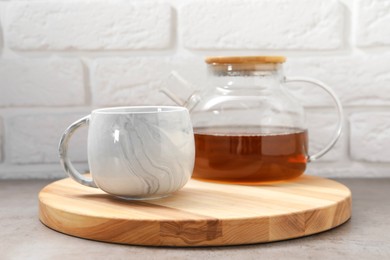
(248, 128)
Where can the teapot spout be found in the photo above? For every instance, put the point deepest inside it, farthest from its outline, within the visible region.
(180, 90)
(173, 96)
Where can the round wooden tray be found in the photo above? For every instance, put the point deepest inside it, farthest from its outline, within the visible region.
(201, 214)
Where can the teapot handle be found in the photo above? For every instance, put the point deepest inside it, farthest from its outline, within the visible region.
(339, 113)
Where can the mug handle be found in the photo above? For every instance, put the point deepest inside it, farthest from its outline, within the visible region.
(339, 113)
(63, 152)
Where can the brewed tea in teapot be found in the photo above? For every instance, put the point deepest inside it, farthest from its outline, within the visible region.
(248, 128)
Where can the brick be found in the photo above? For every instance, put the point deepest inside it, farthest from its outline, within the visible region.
(135, 81)
(88, 25)
(321, 128)
(1, 139)
(34, 138)
(359, 80)
(372, 23)
(265, 24)
(1, 28)
(370, 136)
(43, 82)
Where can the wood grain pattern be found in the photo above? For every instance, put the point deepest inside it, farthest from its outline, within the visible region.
(245, 59)
(201, 214)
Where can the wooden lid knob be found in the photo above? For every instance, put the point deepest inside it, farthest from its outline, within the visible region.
(245, 60)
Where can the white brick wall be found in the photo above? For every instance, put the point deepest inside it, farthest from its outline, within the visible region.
(372, 21)
(267, 24)
(87, 25)
(41, 82)
(370, 137)
(359, 80)
(34, 139)
(120, 81)
(1, 139)
(60, 59)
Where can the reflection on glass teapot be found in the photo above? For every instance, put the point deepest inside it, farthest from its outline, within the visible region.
(248, 128)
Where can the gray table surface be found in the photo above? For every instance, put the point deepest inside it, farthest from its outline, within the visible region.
(365, 236)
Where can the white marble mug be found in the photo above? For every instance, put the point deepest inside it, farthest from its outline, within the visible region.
(140, 152)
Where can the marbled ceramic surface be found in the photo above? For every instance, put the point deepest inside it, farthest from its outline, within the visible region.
(147, 152)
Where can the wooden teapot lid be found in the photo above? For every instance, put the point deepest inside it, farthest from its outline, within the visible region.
(245, 60)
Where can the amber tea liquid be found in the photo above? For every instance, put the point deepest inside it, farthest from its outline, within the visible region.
(250, 155)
